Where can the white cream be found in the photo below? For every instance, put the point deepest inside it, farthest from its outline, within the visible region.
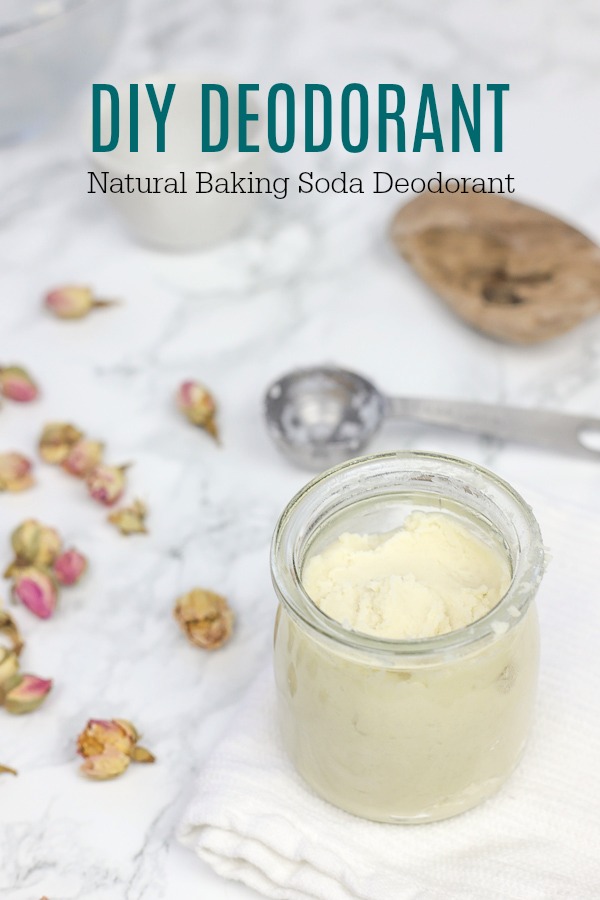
(407, 738)
(414, 742)
(432, 576)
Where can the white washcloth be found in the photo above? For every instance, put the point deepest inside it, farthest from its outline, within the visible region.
(253, 819)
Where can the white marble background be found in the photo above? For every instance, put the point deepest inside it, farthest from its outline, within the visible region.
(311, 280)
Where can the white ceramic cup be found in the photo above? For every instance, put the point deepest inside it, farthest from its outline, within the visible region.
(179, 221)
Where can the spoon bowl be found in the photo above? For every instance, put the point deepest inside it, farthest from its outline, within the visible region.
(322, 415)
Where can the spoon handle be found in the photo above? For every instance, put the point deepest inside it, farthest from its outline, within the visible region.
(559, 431)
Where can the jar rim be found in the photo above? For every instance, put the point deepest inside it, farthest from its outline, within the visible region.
(527, 571)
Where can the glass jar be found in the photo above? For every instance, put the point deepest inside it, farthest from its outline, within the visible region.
(405, 730)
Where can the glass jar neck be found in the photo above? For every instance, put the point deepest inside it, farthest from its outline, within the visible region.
(442, 481)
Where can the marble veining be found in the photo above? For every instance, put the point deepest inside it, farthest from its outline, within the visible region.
(313, 280)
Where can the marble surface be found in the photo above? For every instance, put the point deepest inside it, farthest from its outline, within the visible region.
(313, 279)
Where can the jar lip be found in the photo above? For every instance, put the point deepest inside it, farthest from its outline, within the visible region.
(527, 571)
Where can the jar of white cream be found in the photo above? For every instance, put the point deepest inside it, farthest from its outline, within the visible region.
(406, 641)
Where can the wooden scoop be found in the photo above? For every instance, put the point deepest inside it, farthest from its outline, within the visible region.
(509, 269)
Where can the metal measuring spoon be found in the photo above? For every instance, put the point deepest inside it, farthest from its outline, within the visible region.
(323, 415)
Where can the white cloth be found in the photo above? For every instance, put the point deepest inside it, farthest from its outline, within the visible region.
(253, 819)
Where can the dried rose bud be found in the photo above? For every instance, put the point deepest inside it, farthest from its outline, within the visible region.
(9, 665)
(27, 694)
(99, 734)
(17, 384)
(69, 567)
(73, 301)
(198, 405)
(130, 519)
(35, 544)
(6, 770)
(15, 472)
(10, 630)
(109, 764)
(106, 484)
(56, 441)
(83, 456)
(205, 617)
(108, 746)
(36, 589)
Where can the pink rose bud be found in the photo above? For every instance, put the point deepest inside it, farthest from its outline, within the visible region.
(108, 746)
(109, 764)
(35, 544)
(73, 301)
(15, 472)
(83, 456)
(56, 441)
(106, 484)
(102, 734)
(28, 693)
(69, 567)
(130, 519)
(198, 406)
(205, 618)
(17, 384)
(36, 590)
